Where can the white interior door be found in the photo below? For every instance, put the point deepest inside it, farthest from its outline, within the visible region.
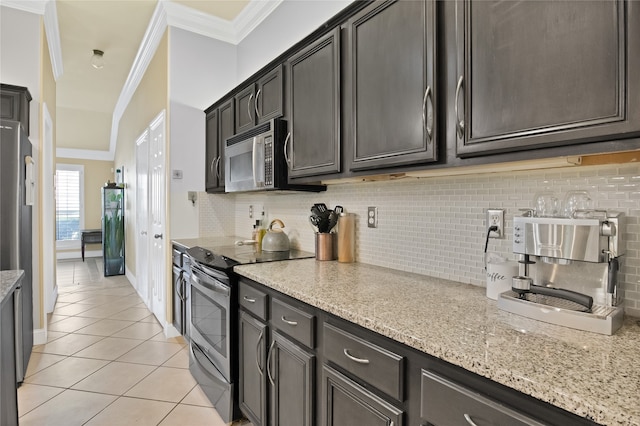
(142, 217)
(157, 206)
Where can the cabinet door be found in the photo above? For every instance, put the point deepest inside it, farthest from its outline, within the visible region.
(212, 152)
(178, 291)
(535, 74)
(347, 403)
(225, 130)
(252, 394)
(14, 104)
(314, 108)
(268, 99)
(392, 79)
(8, 394)
(245, 109)
(291, 374)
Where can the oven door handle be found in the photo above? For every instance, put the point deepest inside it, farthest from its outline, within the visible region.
(210, 272)
(213, 286)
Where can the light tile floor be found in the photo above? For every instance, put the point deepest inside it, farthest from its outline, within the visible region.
(107, 361)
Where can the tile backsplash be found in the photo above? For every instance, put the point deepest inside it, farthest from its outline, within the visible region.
(436, 226)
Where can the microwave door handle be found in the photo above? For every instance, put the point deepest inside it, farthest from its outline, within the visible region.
(256, 158)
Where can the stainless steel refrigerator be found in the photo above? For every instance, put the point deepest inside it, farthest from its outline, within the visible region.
(15, 229)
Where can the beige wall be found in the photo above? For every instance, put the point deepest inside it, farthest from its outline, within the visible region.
(149, 100)
(96, 173)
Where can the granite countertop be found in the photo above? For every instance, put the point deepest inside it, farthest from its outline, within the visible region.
(9, 279)
(588, 374)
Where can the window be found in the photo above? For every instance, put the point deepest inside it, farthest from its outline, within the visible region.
(69, 204)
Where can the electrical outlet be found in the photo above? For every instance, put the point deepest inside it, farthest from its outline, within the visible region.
(495, 217)
(372, 217)
(250, 211)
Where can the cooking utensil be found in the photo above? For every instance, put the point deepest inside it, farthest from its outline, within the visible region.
(275, 239)
(333, 220)
(322, 207)
(338, 209)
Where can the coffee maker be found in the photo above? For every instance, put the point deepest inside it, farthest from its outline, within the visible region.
(568, 270)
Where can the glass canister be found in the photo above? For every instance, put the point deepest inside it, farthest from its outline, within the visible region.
(346, 237)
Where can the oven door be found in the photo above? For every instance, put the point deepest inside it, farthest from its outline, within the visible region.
(244, 165)
(210, 327)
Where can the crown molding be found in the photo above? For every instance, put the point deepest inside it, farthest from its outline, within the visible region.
(186, 18)
(148, 47)
(52, 31)
(168, 13)
(84, 154)
(252, 15)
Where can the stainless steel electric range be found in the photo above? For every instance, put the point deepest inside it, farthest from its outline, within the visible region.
(213, 359)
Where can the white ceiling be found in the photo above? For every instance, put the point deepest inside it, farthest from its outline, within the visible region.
(86, 97)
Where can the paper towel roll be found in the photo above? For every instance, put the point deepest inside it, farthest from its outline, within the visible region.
(499, 275)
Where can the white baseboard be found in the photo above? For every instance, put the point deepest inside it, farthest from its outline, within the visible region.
(39, 336)
(171, 331)
(130, 277)
(54, 297)
(63, 255)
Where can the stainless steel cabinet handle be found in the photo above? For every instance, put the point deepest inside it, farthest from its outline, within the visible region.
(260, 337)
(218, 167)
(286, 321)
(184, 289)
(269, 363)
(248, 299)
(286, 152)
(158, 236)
(256, 103)
(427, 122)
(180, 282)
(459, 123)
(469, 420)
(249, 107)
(353, 358)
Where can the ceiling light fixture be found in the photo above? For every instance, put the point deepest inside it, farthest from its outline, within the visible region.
(97, 59)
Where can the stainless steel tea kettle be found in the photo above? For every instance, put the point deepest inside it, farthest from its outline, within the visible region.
(275, 239)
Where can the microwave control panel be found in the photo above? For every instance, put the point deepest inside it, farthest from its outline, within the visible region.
(268, 161)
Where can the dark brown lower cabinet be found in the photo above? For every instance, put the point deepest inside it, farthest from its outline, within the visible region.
(444, 402)
(8, 393)
(291, 372)
(253, 384)
(349, 404)
(301, 366)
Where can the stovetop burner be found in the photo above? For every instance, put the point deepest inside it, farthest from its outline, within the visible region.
(226, 257)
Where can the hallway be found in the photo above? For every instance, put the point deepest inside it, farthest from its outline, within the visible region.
(107, 361)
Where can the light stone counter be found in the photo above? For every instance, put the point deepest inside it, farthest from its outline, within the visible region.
(588, 374)
(8, 280)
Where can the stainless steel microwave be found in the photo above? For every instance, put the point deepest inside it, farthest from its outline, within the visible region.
(255, 160)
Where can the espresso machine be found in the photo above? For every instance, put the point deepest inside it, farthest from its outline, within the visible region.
(568, 270)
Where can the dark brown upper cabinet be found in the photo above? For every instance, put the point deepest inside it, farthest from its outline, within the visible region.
(391, 78)
(219, 127)
(259, 102)
(313, 96)
(543, 74)
(14, 104)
